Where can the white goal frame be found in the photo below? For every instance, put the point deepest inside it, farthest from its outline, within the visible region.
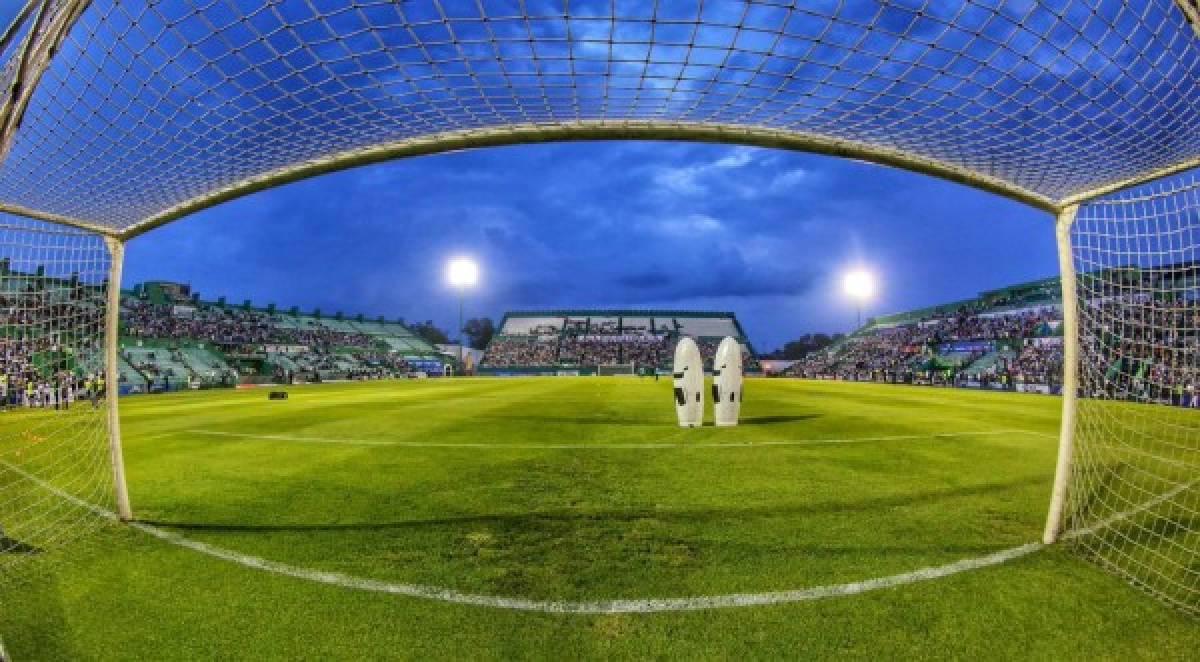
(112, 324)
(1070, 390)
(564, 99)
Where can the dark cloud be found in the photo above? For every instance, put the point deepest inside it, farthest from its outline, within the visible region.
(761, 232)
(650, 279)
(710, 280)
(536, 292)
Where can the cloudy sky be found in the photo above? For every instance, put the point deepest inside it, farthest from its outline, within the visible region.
(764, 233)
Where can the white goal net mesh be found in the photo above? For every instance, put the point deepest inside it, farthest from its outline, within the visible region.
(54, 464)
(1134, 492)
(149, 107)
(119, 115)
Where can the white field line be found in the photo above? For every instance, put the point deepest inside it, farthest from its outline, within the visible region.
(242, 399)
(1126, 514)
(633, 606)
(631, 446)
(636, 606)
(102, 512)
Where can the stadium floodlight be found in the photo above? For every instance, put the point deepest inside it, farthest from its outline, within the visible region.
(859, 285)
(461, 273)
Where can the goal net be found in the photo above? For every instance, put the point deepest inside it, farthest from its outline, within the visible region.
(124, 116)
(615, 369)
(1134, 493)
(55, 477)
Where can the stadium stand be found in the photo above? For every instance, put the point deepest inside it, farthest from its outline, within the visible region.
(39, 366)
(592, 341)
(1011, 339)
(171, 339)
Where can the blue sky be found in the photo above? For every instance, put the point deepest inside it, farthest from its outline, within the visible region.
(764, 233)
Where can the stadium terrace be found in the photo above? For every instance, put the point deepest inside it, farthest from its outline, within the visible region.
(173, 340)
(581, 342)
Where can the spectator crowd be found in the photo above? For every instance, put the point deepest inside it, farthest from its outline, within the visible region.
(595, 348)
(50, 332)
(291, 350)
(229, 327)
(1136, 347)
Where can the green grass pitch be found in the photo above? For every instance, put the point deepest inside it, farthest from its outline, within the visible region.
(578, 490)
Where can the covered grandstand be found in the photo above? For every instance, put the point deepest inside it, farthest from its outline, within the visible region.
(584, 341)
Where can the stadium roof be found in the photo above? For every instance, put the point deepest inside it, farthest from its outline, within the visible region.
(616, 312)
(121, 116)
(152, 290)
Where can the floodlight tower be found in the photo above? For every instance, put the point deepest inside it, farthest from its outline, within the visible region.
(859, 285)
(461, 273)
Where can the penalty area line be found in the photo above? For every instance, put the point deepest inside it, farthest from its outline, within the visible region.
(577, 446)
(626, 606)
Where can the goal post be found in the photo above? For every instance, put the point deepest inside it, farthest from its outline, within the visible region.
(112, 371)
(930, 87)
(1127, 487)
(1070, 379)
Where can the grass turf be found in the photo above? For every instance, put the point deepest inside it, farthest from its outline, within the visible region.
(583, 489)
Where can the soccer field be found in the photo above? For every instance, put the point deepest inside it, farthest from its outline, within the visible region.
(459, 519)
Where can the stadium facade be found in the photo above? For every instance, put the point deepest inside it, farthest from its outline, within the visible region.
(600, 341)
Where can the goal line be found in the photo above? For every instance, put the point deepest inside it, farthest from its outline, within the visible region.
(621, 606)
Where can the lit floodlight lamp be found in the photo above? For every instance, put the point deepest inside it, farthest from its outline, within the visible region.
(462, 272)
(859, 285)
